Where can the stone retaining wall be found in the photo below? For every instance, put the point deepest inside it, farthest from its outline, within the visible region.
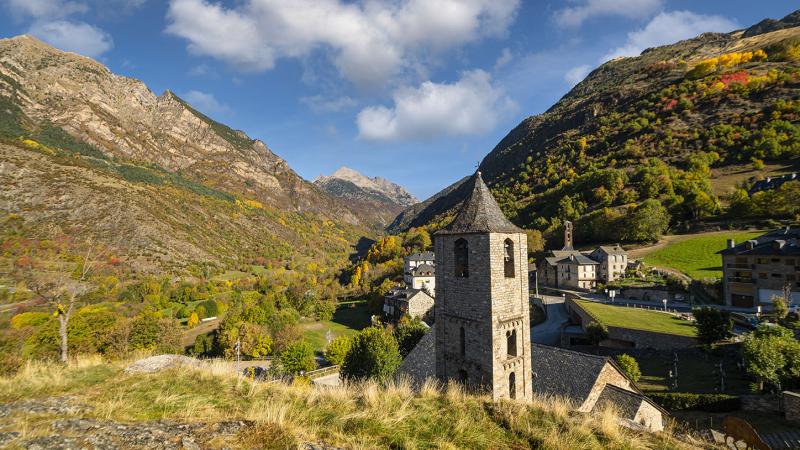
(791, 406)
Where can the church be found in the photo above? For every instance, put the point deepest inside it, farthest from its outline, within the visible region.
(482, 333)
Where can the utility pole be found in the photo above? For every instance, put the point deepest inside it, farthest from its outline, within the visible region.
(536, 281)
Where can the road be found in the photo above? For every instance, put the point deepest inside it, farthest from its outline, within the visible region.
(191, 334)
(549, 331)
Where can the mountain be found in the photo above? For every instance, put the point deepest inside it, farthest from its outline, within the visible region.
(684, 124)
(79, 142)
(371, 194)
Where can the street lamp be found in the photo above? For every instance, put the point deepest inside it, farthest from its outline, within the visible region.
(612, 293)
(664, 301)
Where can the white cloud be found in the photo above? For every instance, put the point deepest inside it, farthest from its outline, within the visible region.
(44, 9)
(670, 27)
(574, 16)
(321, 104)
(576, 74)
(368, 41)
(78, 37)
(471, 105)
(205, 102)
(504, 58)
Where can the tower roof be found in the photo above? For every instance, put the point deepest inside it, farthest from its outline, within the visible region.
(480, 213)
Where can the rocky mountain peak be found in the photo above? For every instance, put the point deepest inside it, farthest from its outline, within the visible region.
(377, 187)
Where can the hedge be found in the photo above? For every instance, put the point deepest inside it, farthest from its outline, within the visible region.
(679, 401)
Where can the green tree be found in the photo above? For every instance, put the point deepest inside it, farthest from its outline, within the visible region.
(647, 222)
(630, 366)
(374, 354)
(772, 358)
(150, 332)
(713, 325)
(408, 333)
(337, 350)
(297, 357)
(596, 333)
(780, 306)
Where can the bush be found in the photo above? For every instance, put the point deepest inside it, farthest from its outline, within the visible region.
(408, 333)
(297, 357)
(149, 332)
(630, 366)
(337, 350)
(374, 354)
(681, 401)
(29, 319)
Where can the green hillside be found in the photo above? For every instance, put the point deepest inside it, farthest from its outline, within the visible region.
(660, 127)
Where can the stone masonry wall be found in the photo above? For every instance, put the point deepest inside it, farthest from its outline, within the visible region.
(791, 406)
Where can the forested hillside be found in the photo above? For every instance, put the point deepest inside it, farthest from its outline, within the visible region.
(671, 138)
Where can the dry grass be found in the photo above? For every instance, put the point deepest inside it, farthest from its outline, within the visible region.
(363, 415)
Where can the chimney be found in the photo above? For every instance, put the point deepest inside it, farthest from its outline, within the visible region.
(567, 235)
(731, 243)
(778, 244)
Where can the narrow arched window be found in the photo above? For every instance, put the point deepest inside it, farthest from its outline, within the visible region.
(511, 343)
(461, 258)
(463, 377)
(508, 258)
(512, 385)
(462, 341)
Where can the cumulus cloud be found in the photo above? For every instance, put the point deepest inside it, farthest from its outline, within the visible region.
(205, 102)
(44, 9)
(669, 27)
(78, 37)
(320, 104)
(368, 41)
(574, 75)
(471, 105)
(574, 16)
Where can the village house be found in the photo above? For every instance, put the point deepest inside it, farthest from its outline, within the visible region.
(574, 269)
(420, 273)
(416, 303)
(758, 269)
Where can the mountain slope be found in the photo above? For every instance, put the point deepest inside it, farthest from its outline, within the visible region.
(658, 126)
(79, 142)
(377, 195)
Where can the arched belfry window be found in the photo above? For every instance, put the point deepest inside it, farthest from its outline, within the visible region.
(508, 258)
(511, 343)
(461, 258)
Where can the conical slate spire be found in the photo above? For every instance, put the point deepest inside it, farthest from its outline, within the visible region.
(480, 213)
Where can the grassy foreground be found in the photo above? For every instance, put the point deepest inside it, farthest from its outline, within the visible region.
(283, 416)
(697, 256)
(638, 319)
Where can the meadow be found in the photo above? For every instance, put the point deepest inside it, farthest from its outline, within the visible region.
(696, 256)
(638, 319)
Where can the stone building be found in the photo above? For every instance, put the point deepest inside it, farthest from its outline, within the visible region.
(755, 270)
(592, 382)
(574, 269)
(415, 303)
(422, 277)
(482, 307)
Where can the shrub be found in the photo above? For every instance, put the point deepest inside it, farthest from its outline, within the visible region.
(29, 319)
(631, 367)
(374, 354)
(596, 333)
(681, 401)
(408, 333)
(149, 332)
(297, 357)
(337, 350)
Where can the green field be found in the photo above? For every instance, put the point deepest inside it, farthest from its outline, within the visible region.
(638, 319)
(697, 256)
(349, 318)
(697, 372)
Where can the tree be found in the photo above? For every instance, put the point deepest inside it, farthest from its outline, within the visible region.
(771, 357)
(297, 357)
(535, 241)
(780, 303)
(151, 332)
(193, 321)
(374, 354)
(596, 333)
(647, 222)
(408, 333)
(630, 366)
(713, 325)
(337, 350)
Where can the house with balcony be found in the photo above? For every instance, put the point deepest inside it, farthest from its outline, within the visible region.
(756, 270)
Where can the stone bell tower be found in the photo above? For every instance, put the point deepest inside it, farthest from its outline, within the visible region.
(482, 312)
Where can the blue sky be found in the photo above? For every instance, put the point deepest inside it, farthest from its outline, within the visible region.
(417, 91)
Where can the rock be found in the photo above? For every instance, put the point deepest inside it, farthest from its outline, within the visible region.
(53, 405)
(161, 362)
